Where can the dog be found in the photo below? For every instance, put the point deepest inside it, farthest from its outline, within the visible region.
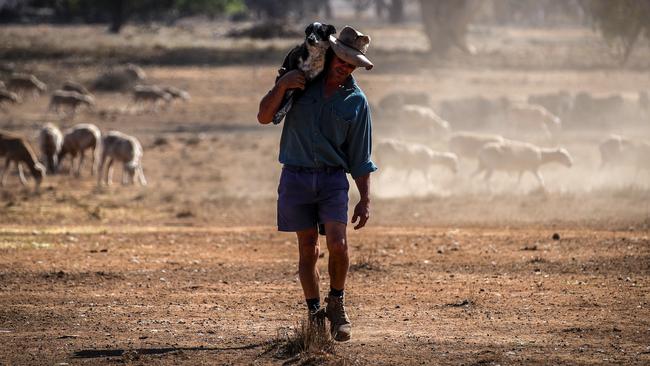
(308, 57)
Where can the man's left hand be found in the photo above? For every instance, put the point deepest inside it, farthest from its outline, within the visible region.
(361, 213)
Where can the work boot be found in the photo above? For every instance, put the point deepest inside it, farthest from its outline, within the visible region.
(340, 326)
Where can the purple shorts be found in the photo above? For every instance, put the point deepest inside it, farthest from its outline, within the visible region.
(308, 197)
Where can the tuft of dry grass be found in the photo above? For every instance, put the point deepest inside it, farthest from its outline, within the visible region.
(305, 344)
(366, 262)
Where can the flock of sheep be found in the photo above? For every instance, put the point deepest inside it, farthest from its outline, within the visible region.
(55, 145)
(72, 95)
(75, 142)
(529, 126)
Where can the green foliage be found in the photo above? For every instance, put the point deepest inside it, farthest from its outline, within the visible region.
(622, 22)
(209, 7)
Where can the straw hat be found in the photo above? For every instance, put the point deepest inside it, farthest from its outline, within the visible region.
(351, 46)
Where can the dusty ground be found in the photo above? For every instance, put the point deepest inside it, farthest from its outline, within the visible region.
(190, 270)
(165, 295)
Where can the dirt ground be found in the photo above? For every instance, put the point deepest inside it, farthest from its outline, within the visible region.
(190, 269)
(167, 295)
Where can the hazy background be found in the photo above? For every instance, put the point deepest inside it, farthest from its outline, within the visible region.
(208, 161)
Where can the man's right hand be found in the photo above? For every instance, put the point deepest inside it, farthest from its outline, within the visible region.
(294, 79)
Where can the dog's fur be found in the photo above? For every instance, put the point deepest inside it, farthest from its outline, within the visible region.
(308, 57)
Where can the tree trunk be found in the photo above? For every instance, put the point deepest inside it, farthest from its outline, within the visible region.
(396, 13)
(446, 24)
(117, 16)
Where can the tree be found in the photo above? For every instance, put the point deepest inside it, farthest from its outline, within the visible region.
(446, 23)
(622, 22)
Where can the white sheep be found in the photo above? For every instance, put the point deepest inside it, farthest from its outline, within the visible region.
(533, 120)
(8, 97)
(126, 149)
(152, 94)
(75, 87)
(518, 156)
(78, 139)
(468, 144)
(71, 100)
(51, 141)
(26, 83)
(18, 150)
(411, 157)
(119, 78)
(176, 93)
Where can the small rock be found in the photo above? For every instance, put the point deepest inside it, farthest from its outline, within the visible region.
(556, 236)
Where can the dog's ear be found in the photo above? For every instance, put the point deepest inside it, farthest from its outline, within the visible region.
(329, 30)
(310, 29)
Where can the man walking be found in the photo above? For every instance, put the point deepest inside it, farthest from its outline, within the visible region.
(326, 133)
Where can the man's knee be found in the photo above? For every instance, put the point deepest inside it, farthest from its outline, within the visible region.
(337, 246)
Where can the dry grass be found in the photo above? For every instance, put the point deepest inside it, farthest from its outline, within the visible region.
(305, 344)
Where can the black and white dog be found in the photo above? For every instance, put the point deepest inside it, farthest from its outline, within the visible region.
(308, 57)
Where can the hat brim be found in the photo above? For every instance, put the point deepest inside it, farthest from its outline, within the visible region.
(349, 54)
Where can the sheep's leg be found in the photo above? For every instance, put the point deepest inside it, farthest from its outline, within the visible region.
(109, 172)
(126, 173)
(4, 172)
(73, 157)
(21, 174)
(539, 177)
(100, 171)
(143, 180)
(93, 159)
(82, 156)
(521, 174)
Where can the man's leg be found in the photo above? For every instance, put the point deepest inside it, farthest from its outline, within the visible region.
(340, 326)
(337, 245)
(307, 270)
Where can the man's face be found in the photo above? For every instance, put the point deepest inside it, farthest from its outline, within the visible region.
(339, 69)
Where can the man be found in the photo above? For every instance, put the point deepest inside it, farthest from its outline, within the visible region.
(326, 134)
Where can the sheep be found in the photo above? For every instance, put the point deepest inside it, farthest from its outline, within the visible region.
(412, 157)
(121, 78)
(176, 93)
(559, 103)
(518, 156)
(595, 110)
(51, 140)
(473, 112)
(468, 144)
(18, 150)
(533, 120)
(77, 140)
(616, 149)
(75, 87)
(71, 100)
(398, 99)
(126, 149)
(23, 83)
(152, 94)
(8, 97)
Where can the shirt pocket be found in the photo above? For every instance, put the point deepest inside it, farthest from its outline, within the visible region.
(303, 108)
(336, 129)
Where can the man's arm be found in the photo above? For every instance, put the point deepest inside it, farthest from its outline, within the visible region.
(271, 102)
(362, 209)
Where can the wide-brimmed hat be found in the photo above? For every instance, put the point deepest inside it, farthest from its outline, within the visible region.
(351, 46)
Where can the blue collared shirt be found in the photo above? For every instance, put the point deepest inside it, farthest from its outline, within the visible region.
(334, 131)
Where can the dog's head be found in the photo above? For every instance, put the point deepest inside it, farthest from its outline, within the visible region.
(318, 34)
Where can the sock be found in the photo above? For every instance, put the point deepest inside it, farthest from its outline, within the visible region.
(335, 292)
(313, 304)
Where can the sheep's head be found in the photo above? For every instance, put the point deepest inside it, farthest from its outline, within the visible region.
(452, 162)
(564, 158)
(39, 173)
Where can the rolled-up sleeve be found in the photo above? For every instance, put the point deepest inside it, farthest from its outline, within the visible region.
(359, 143)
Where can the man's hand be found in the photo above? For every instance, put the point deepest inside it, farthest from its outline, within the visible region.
(362, 213)
(269, 105)
(294, 79)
